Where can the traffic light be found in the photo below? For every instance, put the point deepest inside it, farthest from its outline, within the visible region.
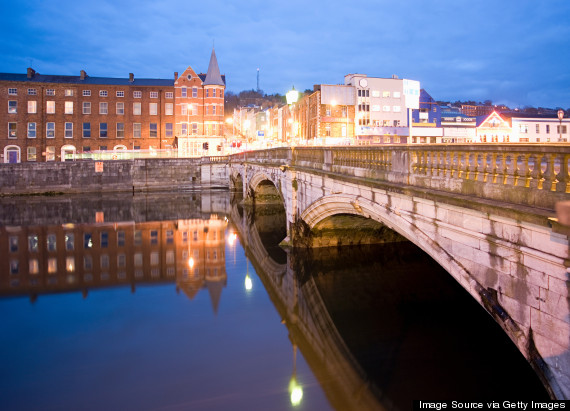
(205, 146)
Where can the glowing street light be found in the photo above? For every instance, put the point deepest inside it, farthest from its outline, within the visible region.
(560, 117)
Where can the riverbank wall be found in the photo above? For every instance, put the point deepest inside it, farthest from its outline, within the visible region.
(138, 175)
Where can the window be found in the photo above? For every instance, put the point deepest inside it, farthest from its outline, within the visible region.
(13, 244)
(221, 93)
(137, 94)
(103, 148)
(103, 93)
(120, 130)
(33, 243)
(104, 239)
(52, 265)
(194, 128)
(183, 92)
(69, 107)
(169, 94)
(136, 130)
(138, 237)
(397, 109)
(548, 129)
(86, 107)
(537, 128)
(12, 91)
(194, 92)
(396, 94)
(86, 93)
(86, 130)
(153, 109)
(168, 129)
(50, 130)
(120, 94)
(12, 107)
(168, 109)
(34, 266)
(50, 153)
(68, 92)
(207, 92)
(50, 92)
(375, 107)
(386, 108)
(104, 262)
(328, 112)
(31, 154)
(12, 130)
(153, 130)
(50, 107)
(523, 128)
(343, 132)
(214, 93)
(69, 241)
(183, 109)
(184, 129)
(328, 130)
(88, 260)
(213, 109)
(102, 130)
(121, 238)
(385, 94)
(68, 130)
(120, 108)
(154, 94)
(32, 107)
(51, 242)
(137, 109)
(103, 108)
(207, 109)
(561, 131)
(153, 237)
(31, 130)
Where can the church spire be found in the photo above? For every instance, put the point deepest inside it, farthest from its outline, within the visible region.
(213, 76)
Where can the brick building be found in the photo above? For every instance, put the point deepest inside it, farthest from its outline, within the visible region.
(58, 118)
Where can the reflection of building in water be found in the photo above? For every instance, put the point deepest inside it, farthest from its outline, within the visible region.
(70, 257)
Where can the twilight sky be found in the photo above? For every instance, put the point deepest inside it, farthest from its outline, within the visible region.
(515, 52)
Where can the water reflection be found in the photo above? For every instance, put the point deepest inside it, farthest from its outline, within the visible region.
(340, 328)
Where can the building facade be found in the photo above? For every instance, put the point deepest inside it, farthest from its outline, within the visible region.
(59, 118)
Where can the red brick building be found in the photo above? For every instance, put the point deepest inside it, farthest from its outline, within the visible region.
(58, 118)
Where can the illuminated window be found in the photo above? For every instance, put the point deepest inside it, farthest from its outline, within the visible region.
(138, 259)
(523, 128)
(137, 109)
(183, 109)
(52, 265)
(87, 241)
(154, 258)
(32, 154)
(12, 130)
(32, 107)
(120, 108)
(168, 109)
(33, 243)
(153, 109)
(70, 264)
(560, 129)
(396, 94)
(68, 107)
(50, 153)
(136, 130)
(68, 93)
(51, 242)
(386, 94)
(50, 107)
(33, 266)
(12, 107)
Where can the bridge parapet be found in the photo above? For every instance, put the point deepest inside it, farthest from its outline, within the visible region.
(531, 175)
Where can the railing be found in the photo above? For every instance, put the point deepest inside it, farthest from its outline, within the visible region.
(534, 175)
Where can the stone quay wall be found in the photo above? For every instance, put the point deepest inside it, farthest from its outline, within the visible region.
(113, 176)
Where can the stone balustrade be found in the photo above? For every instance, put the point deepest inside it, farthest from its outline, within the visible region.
(530, 175)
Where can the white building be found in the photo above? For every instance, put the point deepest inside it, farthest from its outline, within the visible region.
(382, 108)
(540, 130)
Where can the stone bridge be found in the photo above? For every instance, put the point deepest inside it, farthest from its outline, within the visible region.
(485, 213)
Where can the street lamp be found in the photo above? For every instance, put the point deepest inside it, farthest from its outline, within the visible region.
(560, 116)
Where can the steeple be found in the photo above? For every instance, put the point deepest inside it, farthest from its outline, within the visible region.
(213, 76)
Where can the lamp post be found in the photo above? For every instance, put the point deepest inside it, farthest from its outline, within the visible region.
(560, 116)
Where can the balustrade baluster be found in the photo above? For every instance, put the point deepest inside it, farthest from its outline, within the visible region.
(510, 170)
(523, 171)
(563, 184)
(549, 182)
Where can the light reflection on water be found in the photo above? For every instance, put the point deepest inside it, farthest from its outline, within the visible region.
(151, 303)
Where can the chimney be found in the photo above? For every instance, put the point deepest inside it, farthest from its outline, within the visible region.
(82, 75)
(175, 75)
(31, 72)
(131, 77)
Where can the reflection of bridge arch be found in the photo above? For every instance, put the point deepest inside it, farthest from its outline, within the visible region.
(310, 327)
